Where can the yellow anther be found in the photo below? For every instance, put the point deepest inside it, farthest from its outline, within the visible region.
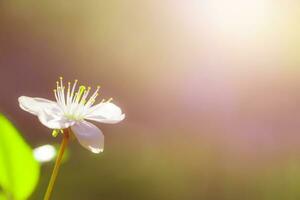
(82, 88)
(55, 132)
(80, 92)
(60, 77)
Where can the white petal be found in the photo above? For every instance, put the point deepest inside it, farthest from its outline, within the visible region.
(48, 112)
(35, 105)
(89, 136)
(105, 113)
(53, 118)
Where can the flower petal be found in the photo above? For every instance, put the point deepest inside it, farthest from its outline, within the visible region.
(105, 113)
(48, 112)
(89, 136)
(35, 105)
(53, 119)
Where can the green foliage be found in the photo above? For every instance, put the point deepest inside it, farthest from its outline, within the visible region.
(19, 171)
(2, 196)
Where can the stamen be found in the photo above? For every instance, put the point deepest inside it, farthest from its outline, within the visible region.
(92, 99)
(55, 94)
(75, 103)
(62, 91)
(75, 97)
(86, 93)
(109, 100)
(73, 90)
(58, 89)
(58, 94)
(95, 93)
(80, 93)
(95, 96)
(68, 93)
(61, 81)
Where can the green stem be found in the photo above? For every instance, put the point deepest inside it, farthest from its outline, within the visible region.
(61, 151)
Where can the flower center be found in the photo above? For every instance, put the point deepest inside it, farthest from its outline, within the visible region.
(74, 104)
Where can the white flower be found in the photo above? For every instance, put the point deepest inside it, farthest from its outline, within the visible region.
(72, 109)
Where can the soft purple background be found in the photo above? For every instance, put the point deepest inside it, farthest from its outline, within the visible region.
(210, 90)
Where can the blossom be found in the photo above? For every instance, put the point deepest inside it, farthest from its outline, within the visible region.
(73, 106)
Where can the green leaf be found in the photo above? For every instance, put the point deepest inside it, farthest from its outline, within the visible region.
(19, 171)
(2, 196)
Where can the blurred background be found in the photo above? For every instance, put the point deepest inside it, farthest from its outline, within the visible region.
(210, 89)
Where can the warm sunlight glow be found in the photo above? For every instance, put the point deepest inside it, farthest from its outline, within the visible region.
(238, 17)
